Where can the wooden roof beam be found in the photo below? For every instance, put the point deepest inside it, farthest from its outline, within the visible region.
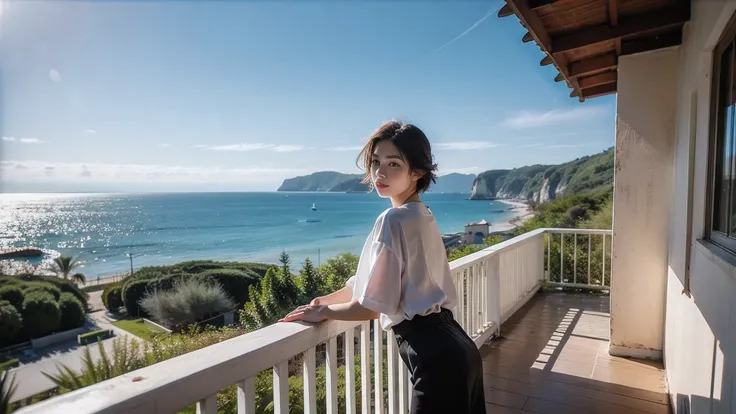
(672, 16)
(645, 44)
(505, 11)
(527, 38)
(592, 65)
(537, 4)
(613, 12)
(613, 18)
(599, 90)
(533, 23)
(600, 79)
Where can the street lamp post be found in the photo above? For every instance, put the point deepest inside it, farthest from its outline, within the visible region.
(130, 255)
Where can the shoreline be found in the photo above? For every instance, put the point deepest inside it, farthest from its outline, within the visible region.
(522, 214)
(520, 210)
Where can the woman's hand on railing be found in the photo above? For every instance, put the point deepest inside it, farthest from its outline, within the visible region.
(306, 313)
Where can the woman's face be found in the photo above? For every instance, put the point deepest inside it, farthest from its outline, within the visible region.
(390, 173)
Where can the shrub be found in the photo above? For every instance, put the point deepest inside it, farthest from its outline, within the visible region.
(41, 314)
(69, 287)
(112, 297)
(61, 284)
(188, 302)
(197, 266)
(72, 312)
(30, 287)
(235, 278)
(94, 336)
(233, 281)
(13, 294)
(9, 364)
(602, 219)
(10, 323)
(165, 283)
(132, 293)
(576, 213)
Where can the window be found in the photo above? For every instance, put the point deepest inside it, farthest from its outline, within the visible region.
(723, 162)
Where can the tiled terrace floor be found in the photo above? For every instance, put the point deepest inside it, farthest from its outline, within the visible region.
(552, 357)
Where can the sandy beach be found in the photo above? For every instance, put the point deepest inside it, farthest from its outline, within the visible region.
(522, 214)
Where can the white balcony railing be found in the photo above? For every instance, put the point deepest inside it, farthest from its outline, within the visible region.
(492, 284)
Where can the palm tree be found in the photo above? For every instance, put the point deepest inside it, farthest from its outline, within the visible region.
(79, 278)
(64, 265)
(8, 386)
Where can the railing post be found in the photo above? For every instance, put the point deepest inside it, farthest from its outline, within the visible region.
(494, 292)
(542, 275)
(548, 271)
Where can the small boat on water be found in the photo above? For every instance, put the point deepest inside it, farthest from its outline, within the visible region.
(314, 206)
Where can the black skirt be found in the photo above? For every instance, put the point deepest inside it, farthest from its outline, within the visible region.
(445, 365)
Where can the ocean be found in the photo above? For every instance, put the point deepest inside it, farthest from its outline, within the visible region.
(100, 229)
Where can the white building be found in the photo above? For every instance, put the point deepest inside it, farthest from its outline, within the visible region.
(476, 233)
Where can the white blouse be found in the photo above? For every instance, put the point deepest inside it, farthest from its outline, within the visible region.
(403, 269)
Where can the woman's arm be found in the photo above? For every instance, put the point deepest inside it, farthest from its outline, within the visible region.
(340, 296)
(348, 311)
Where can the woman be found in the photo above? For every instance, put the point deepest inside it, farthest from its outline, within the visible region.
(404, 280)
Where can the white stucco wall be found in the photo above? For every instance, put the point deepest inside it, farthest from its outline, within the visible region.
(645, 112)
(470, 230)
(700, 330)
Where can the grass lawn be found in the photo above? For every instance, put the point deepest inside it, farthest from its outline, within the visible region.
(138, 328)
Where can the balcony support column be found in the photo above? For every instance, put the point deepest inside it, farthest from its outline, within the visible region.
(645, 121)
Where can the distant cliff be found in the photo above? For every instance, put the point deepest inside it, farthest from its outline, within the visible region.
(323, 181)
(339, 182)
(541, 183)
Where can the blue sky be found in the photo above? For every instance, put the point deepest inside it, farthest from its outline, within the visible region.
(226, 95)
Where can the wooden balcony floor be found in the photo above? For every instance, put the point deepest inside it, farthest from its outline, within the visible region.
(552, 357)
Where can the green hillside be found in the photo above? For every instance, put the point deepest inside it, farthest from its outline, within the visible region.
(542, 183)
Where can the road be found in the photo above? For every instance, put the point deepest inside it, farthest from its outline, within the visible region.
(29, 375)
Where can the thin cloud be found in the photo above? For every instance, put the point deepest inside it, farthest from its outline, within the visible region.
(43, 171)
(90, 131)
(22, 140)
(465, 145)
(527, 119)
(245, 146)
(582, 144)
(54, 75)
(468, 30)
(572, 145)
(166, 145)
(353, 148)
(289, 148)
(239, 147)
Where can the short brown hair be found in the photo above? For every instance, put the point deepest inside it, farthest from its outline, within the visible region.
(413, 147)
